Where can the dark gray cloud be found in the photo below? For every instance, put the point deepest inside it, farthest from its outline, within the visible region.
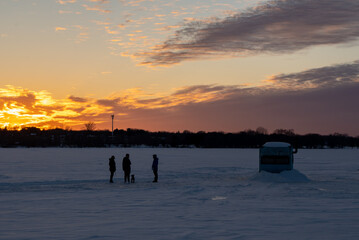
(203, 89)
(107, 102)
(330, 76)
(279, 26)
(77, 99)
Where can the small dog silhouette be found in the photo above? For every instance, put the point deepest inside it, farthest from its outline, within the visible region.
(132, 178)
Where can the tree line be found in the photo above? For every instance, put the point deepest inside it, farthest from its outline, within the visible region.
(35, 137)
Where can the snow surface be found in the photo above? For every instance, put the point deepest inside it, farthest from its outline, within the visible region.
(201, 194)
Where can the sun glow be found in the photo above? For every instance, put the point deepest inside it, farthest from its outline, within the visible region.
(20, 108)
(13, 109)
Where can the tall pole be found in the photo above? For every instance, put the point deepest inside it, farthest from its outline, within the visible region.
(112, 116)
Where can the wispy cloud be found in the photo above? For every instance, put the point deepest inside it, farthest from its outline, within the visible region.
(276, 26)
(63, 2)
(64, 12)
(97, 8)
(134, 3)
(100, 1)
(82, 32)
(330, 76)
(60, 29)
(106, 73)
(77, 99)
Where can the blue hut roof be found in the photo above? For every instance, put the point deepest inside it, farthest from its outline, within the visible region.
(276, 144)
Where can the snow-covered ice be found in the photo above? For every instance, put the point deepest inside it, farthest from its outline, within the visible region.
(64, 193)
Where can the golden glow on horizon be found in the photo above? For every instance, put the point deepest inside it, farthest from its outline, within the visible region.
(21, 107)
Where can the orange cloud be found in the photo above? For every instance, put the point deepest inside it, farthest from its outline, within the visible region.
(95, 8)
(63, 2)
(60, 29)
(64, 12)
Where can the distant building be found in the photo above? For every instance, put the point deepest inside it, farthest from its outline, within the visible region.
(276, 157)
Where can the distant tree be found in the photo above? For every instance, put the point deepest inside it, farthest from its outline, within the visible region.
(287, 132)
(35, 137)
(344, 135)
(262, 130)
(90, 126)
(250, 132)
(31, 130)
(13, 128)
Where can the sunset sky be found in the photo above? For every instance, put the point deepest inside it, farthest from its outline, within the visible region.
(198, 65)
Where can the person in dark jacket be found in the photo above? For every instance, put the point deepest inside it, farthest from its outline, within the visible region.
(112, 165)
(155, 167)
(126, 167)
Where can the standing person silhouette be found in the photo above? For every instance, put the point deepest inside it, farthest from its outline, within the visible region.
(126, 167)
(112, 165)
(155, 167)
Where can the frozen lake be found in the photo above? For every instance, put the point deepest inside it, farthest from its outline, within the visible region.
(201, 194)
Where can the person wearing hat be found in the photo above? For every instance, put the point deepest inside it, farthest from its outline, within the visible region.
(155, 167)
(112, 165)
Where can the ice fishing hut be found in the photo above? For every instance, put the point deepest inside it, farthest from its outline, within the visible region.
(276, 157)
